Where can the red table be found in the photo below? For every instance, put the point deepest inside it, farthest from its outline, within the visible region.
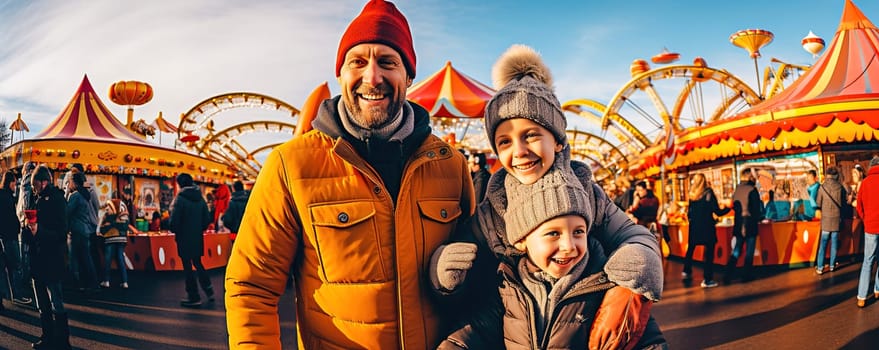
(791, 243)
(158, 252)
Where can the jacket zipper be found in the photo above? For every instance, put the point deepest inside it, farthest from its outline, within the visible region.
(408, 169)
(578, 289)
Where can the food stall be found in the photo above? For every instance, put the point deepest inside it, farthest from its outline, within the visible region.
(825, 118)
(117, 160)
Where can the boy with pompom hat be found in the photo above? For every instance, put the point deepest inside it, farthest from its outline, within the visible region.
(526, 127)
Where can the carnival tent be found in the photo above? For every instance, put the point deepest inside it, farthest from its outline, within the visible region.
(86, 117)
(456, 103)
(836, 101)
(87, 132)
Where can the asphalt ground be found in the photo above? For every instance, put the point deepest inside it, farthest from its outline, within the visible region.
(781, 309)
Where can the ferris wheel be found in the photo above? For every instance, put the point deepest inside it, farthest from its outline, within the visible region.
(676, 97)
(198, 128)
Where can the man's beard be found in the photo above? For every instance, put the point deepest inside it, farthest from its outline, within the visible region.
(375, 117)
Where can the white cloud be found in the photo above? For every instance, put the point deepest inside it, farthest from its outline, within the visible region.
(186, 50)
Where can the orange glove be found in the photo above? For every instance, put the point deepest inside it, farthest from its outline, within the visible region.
(620, 320)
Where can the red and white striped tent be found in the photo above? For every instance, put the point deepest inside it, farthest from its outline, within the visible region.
(86, 117)
(456, 103)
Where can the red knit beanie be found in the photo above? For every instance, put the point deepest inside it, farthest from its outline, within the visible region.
(379, 22)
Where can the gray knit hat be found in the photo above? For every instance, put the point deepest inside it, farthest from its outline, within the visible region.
(874, 161)
(525, 90)
(559, 192)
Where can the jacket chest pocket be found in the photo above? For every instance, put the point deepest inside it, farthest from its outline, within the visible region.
(438, 218)
(348, 243)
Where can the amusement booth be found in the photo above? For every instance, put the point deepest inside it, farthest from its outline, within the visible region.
(827, 117)
(117, 160)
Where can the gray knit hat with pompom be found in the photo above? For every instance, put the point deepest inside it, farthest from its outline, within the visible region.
(525, 90)
(559, 192)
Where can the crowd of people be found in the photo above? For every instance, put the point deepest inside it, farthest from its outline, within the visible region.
(50, 236)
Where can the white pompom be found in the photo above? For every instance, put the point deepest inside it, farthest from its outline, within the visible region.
(517, 62)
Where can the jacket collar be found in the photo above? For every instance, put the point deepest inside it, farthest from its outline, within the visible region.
(328, 122)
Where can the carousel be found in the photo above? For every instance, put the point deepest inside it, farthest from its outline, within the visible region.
(825, 117)
(456, 103)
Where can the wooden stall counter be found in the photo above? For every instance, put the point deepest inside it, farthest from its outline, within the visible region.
(791, 243)
(157, 251)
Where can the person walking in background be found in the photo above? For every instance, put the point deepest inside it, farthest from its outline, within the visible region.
(48, 243)
(700, 213)
(868, 209)
(26, 201)
(9, 230)
(93, 200)
(209, 201)
(645, 207)
(479, 173)
(850, 211)
(94, 208)
(748, 214)
(189, 219)
(81, 230)
(353, 210)
(830, 196)
(858, 175)
(807, 211)
(233, 215)
(221, 204)
(114, 228)
(626, 193)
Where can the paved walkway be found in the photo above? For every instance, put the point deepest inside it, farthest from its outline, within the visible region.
(780, 310)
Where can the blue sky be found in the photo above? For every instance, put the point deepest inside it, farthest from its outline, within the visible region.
(192, 50)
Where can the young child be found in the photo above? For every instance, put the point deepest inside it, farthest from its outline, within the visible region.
(550, 294)
(526, 125)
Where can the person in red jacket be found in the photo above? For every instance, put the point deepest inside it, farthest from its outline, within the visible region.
(868, 210)
(221, 203)
(646, 205)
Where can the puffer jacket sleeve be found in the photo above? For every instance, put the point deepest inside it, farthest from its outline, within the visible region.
(614, 229)
(259, 267)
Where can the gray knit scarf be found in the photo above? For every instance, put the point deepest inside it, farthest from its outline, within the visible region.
(396, 129)
(548, 290)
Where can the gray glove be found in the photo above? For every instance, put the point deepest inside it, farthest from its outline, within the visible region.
(449, 265)
(638, 268)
